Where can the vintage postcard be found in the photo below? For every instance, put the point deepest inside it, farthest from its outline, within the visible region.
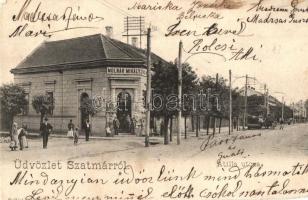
(153, 99)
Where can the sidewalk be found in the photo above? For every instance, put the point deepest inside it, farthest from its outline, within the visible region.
(59, 135)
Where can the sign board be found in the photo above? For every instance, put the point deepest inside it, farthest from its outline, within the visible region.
(126, 71)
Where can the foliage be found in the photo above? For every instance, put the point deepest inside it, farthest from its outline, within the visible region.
(43, 104)
(165, 84)
(306, 105)
(87, 107)
(13, 100)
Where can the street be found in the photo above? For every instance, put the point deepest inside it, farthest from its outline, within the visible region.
(288, 143)
(252, 163)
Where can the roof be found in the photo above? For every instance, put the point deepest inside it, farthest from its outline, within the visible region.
(250, 91)
(93, 50)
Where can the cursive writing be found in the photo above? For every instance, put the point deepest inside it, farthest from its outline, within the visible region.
(213, 29)
(226, 51)
(155, 7)
(68, 16)
(211, 142)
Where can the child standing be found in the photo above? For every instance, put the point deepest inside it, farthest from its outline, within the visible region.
(76, 136)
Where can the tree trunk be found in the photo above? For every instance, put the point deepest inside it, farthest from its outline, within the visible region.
(166, 138)
(192, 123)
(199, 122)
(197, 126)
(208, 124)
(220, 119)
(170, 128)
(204, 121)
(185, 129)
(214, 126)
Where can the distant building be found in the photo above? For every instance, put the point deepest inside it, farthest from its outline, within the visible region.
(250, 91)
(299, 111)
(271, 102)
(93, 67)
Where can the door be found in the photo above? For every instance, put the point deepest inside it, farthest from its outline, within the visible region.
(124, 111)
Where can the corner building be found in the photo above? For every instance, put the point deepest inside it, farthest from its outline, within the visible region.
(96, 67)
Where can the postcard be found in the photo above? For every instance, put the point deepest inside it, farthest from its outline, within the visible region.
(153, 99)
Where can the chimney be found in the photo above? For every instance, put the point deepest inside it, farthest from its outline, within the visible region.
(109, 31)
(135, 41)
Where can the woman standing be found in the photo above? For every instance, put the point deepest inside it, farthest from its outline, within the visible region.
(14, 136)
(22, 133)
(70, 127)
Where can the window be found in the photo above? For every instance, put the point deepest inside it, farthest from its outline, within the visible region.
(50, 95)
(26, 108)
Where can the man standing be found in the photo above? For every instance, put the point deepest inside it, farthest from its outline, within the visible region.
(116, 125)
(46, 129)
(87, 129)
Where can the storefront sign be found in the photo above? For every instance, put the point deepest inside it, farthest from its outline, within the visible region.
(126, 71)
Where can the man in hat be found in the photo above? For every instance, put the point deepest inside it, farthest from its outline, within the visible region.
(46, 129)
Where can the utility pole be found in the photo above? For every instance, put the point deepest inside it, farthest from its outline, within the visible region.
(148, 97)
(180, 93)
(245, 111)
(214, 127)
(230, 103)
(282, 108)
(133, 27)
(267, 103)
(266, 99)
(293, 112)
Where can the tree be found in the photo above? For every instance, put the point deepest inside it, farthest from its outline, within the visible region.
(13, 100)
(218, 93)
(165, 85)
(43, 104)
(87, 107)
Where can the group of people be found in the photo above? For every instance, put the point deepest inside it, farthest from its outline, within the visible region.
(18, 137)
(73, 132)
(129, 124)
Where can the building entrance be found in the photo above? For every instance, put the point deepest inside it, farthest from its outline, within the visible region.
(84, 116)
(124, 112)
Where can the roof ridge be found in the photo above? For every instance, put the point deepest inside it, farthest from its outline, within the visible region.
(101, 41)
(114, 42)
(75, 38)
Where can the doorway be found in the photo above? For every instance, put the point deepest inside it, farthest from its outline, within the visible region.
(124, 111)
(84, 115)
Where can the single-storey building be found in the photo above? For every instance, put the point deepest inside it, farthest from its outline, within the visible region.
(97, 67)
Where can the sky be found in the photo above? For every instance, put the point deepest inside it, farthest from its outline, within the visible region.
(281, 49)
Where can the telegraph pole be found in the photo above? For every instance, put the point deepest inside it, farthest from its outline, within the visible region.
(266, 99)
(282, 108)
(179, 64)
(245, 111)
(230, 103)
(148, 97)
(267, 103)
(293, 112)
(214, 127)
